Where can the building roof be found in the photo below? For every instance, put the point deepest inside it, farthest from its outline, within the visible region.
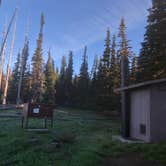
(140, 85)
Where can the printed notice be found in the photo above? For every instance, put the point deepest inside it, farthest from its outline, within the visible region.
(36, 110)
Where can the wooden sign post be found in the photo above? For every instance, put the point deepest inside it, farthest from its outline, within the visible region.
(39, 111)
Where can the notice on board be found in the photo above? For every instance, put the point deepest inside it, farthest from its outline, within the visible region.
(36, 110)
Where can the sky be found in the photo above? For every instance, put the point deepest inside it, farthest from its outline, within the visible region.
(72, 24)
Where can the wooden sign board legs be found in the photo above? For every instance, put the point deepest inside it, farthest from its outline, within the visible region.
(38, 111)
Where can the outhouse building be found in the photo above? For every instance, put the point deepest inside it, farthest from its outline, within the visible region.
(146, 112)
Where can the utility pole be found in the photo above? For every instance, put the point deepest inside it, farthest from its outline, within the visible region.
(8, 65)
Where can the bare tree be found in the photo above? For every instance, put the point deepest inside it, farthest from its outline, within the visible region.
(8, 65)
(2, 57)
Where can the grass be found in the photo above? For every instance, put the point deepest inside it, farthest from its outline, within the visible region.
(78, 138)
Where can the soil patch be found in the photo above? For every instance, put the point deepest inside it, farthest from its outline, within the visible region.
(129, 160)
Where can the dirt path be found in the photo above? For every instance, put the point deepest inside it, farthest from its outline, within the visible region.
(129, 160)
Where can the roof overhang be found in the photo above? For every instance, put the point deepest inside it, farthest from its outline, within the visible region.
(141, 85)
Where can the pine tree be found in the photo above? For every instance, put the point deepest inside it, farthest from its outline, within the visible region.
(113, 66)
(23, 68)
(56, 75)
(104, 66)
(107, 51)
(94, 68)
(69, 78)
(104, 76)
(152, 60)
(26, 94)
(60, 87)
(114, 76)
(124, 50)
(100, 86)
(37, 67)
(14, 79)
(133, 74)
(93, 83)
(83, 83)
(76, 94)
(49, 95)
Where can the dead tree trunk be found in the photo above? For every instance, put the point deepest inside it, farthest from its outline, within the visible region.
(8, 30)
(20, 83)
(21, 71)
(2, 58)
(8, 66)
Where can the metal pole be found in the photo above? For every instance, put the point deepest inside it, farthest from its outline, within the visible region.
(124, 124)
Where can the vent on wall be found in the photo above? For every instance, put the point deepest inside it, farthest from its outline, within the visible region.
(142, 129)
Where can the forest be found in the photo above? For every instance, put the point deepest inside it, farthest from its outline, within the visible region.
(32, 80)
(107, 113)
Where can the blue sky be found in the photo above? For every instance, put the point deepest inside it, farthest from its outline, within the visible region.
(72, 24)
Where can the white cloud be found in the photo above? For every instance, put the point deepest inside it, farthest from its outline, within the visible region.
(92, 28)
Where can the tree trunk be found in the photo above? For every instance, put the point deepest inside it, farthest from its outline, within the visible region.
(8, 66)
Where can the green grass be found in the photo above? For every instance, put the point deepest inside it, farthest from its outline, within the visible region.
(84, 139)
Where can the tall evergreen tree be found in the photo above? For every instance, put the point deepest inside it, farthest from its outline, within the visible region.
(14, 79)
(75, 97)
(114, 76)
(83, 83)
(69, 78)
(49, 95)
(104, 68)
(104, 76)
(60, 87)
(26, 94)
(113, 66)
(133, 74)
(107, 51)
(152, 60)
(93, 83)
(37, 67)
(23, 68)
(94, 67)
(124, 50)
